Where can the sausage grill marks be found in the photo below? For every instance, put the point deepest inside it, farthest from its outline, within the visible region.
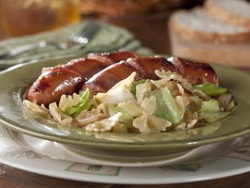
(99, 72)
(145, 68)
(195, 72)
(69, 78)
(54, 83)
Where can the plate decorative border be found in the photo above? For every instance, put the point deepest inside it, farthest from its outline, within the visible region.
(18, 156)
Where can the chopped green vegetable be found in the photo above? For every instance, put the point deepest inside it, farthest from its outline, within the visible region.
(213, 117)
(133, 87)
(210, 106)
(166, 106)
(211, 89)
(83, 104)
(210, 111)
(231, 105)
(126, 117)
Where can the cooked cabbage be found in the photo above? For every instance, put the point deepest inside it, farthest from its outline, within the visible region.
(170, 103)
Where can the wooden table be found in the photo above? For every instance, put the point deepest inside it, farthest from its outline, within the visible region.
(153, 33)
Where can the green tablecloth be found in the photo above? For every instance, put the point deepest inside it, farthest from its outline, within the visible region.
(109, 38)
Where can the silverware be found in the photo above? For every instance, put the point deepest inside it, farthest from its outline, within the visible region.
(82, 37)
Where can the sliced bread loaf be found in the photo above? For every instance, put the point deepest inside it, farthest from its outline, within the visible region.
(231, 11)
(197, 26)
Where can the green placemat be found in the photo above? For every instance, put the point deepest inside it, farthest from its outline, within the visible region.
(109, 38)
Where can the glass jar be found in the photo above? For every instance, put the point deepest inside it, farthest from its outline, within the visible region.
(23, 17)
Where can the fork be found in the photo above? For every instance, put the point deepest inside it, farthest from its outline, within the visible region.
(83, 37)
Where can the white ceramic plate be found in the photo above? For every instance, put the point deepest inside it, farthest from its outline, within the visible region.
(22, 156)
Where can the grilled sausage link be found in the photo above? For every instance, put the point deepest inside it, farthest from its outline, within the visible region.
(144, 67)
(108, 77)
(111, 58)
(68, 78)
(195, 72)
(52, 84)
(99, 72)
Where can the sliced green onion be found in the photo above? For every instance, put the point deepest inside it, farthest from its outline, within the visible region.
(133, 87)
(211, 89)
(83, 104)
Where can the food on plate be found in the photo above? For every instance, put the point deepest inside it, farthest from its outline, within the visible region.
(68, 78)
(145, 68)
(129, 94)
(99, 72)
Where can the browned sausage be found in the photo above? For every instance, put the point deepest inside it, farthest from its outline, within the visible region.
(108, 77)
(52, 84)
(146, 66)
(85, 67)
(61, 79)
(111, 58)
(195, 72)
(100, 72)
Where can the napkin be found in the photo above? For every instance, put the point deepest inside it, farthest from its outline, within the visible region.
(108, 38)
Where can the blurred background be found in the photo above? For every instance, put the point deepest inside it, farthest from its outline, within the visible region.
(23, 17)
(146, 19)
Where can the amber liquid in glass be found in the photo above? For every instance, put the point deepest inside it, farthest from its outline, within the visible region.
(23, 17)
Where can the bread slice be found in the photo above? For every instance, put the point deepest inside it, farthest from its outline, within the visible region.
(231, 11)
(197, 26)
